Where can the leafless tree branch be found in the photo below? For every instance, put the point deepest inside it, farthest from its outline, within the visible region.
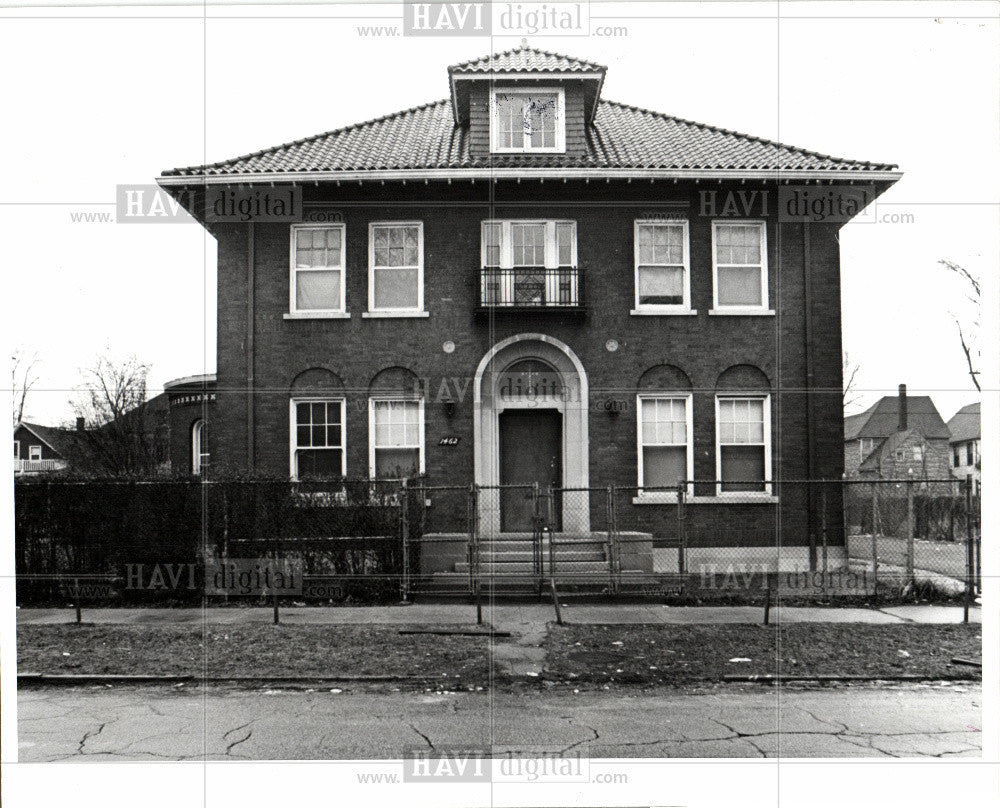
(23, 378)
(968, 335)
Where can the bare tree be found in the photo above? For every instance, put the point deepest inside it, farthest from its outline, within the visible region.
(118, 439)
(851, 370)
(22, 377)
(968, 334)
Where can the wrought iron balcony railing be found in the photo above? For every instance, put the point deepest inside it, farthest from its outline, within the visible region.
(530, 288)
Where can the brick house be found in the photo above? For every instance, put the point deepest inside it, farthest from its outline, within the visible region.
(899, 437)
(527, 282)
(966, 460)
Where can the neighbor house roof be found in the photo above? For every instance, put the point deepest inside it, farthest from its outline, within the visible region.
(526, 60)
(61, 441)
(965, 424)
(886, 447)
(622, 136)
(882, 419)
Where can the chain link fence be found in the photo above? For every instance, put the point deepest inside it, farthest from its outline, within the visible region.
(165, 542)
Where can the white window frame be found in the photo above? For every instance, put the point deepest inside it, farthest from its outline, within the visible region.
(764, 308)
(197, 445)
(418, 310)
(506, 269)
(293, 311)
(371, 429)
(665, 496)
(560, 128)
(293, 437)
(17, 450)
(34, 452)
(672, 308)
(743, 495)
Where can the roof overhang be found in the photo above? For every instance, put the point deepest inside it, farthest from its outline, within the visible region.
(184, 381)
(22, 425)
(521, 173)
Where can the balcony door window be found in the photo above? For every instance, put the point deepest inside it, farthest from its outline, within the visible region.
(530, 263)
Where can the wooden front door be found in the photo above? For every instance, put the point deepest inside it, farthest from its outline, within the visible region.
(530, 452)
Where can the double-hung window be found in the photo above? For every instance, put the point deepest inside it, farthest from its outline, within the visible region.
(34, 453)
(17, 450)
(318, 438)
(396, 267)
(970, 453)
(743, 443)
(396, 438)
(665, 441)
(529, 263)
(528, 120)
(662, 267)
(317, 272)
(739, 267)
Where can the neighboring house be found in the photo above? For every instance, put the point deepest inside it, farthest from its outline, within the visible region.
(192, 402)
(529, 283)
(899, 438)
(41, 449)
(965, 458)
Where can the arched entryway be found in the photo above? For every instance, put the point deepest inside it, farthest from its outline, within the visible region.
(531, 402)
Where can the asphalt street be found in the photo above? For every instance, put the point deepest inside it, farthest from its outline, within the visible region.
(156, 723)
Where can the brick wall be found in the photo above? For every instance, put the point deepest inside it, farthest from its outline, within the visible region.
(702, 346)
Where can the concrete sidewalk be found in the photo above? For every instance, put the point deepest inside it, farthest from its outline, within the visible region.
(501, 616)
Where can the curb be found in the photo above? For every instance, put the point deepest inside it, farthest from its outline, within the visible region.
(110, 678)
(770, 678)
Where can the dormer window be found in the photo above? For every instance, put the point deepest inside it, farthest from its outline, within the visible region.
(528, 119)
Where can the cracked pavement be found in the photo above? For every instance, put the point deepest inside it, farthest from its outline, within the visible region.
(150, 723)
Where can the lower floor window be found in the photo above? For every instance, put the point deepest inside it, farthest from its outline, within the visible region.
(318, 438)
(743, 433)
(396, 428)
(664, 441)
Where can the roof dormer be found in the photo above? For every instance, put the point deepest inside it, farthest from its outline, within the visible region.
(525, 101)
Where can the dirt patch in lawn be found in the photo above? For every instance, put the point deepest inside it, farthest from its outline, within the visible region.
(264, 650)
(677, 655)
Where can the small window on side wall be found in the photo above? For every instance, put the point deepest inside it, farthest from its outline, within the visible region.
(743, 450)
(739, 263)
(34, 453)
(17, 450)
(199, 448)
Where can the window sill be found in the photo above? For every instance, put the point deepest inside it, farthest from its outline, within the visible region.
(386, 315)
(738, 311)
(316, 315)
(651, 312)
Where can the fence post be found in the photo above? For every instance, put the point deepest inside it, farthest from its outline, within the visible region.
(612, 540)
(79, 614)
(826, 543)
(404, 529)
(874, 538)
(910, 577)
(681, 533)
(969, 574)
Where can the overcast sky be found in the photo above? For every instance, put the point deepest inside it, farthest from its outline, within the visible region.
(118, 95)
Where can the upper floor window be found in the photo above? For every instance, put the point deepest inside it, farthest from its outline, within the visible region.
(970, 453)
(743, 443)
(528, 120)
(956, 458)
(396, 266)
(17, 449)
(739, 267)
(317, 272)
(34, 453)
(662, 276)
(318, 438)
